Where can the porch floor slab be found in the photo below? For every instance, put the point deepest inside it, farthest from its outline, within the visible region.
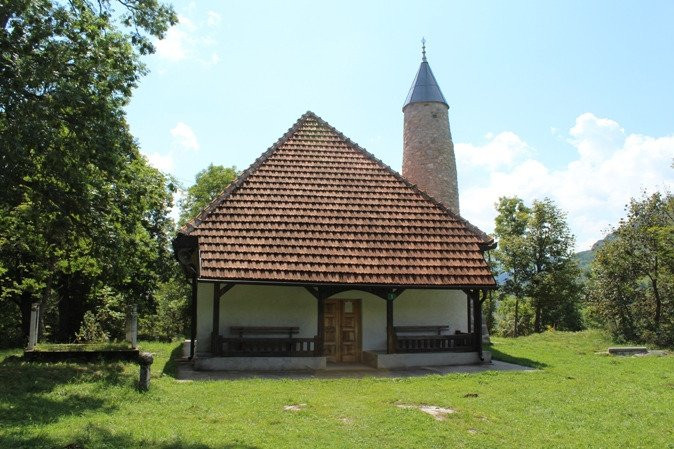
(186, 372)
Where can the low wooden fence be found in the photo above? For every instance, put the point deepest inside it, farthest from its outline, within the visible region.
(268, 347)
(435, 343)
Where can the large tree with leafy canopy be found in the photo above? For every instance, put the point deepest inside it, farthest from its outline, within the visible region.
(80, 209)
(208, 183)
(632, 276)
(535, 254)
(511, 253)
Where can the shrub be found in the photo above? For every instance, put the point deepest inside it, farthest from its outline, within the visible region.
(505, 317)
(171, 312)
(91, 330)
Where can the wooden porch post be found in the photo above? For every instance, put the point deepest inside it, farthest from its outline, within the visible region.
(477, 321)
(215, 332)
(468, 308)
(320, 325)
(390, 335)
(193, 324)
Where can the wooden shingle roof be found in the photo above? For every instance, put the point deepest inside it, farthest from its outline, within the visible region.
(317, 209)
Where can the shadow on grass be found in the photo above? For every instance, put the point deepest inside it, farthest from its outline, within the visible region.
(503, 357)
(171, 366)
(94, 436)
(25, 388)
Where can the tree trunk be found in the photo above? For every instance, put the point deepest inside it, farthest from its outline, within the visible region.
(71, 307)
(44, 301)
(24, 302)
(658, 302)
(517, 314)
(537, 323)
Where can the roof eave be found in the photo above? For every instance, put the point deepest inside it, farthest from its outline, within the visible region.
(354, 285)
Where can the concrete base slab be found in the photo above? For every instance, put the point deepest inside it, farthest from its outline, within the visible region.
(381, 360)
(186, 373)
(258, 363)
(628, 350)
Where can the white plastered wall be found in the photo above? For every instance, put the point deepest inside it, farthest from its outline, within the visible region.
(411, 308)
(432, 307)
(261, 305)
(255, 305)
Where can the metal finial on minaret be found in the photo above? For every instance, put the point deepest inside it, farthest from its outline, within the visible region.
(423, 49)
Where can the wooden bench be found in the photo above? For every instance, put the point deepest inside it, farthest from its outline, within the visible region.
(430, 339)
(264, 330)
(428, 330)
(276, 346)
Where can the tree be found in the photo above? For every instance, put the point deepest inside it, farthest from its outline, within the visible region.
(632, 277)
(511, 253)
(69, 168)
(554, 282)
(535, 255)
(208, 183)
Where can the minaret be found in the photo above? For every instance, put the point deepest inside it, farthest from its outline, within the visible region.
(428, 151)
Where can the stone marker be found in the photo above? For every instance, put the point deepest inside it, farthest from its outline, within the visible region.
(628, 350)
(34, 323)
(186, 348)
(145, 359)
(132, 326)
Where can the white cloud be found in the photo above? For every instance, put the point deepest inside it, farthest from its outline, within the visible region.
(611, 168)
(162, 162)
(184, 137)
(501, 149)
(213, 18)
(188, 40)
(174, 46)
(175, 210)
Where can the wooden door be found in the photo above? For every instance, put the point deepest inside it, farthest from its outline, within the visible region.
(342, 330)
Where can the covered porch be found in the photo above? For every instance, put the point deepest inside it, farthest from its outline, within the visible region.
(254, 326)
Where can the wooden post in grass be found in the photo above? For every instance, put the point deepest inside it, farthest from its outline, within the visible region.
(34, 323)
(132, 326)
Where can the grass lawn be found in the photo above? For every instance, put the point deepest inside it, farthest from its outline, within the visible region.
(575, 399)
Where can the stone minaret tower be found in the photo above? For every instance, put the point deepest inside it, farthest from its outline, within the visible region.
(428, 151)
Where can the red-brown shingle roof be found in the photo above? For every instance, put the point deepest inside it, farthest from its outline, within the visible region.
(316, 208)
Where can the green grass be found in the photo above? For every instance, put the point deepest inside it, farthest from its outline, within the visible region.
(575, 399)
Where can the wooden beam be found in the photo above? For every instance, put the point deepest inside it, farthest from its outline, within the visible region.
(215, 331)
(320, 328)
(390, 333)
(469, 309)
(224, 288)
(193, 324)
(477, 320)
(313, 290)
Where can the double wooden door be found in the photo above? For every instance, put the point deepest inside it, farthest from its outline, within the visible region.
(342, 330)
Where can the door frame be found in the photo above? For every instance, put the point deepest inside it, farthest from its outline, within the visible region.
(359, 327)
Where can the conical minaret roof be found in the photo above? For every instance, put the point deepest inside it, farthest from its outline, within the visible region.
(424, 88)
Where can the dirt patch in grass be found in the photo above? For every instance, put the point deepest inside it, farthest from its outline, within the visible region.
(294, 407)
(437, 412)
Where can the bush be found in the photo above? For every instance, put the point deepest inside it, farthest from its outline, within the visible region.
(505, 317)
(91, 330)
(171, 312)
(10, 325)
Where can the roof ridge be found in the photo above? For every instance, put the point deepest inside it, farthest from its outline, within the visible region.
(484, 236)
(234, 185)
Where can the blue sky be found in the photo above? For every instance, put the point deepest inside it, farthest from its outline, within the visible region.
(571, 100)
